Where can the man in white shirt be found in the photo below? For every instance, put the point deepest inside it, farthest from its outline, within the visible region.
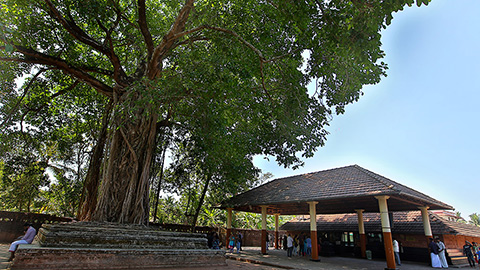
(441, 253)
(26, 239)
(396, 251)
(289, 245)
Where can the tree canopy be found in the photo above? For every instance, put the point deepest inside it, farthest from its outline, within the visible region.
(223, 80)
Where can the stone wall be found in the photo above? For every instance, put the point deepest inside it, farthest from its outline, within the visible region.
(251, 238)
(11, 223)
(420, 241)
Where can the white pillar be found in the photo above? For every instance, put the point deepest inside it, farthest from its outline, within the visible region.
(264, 217)
(382, 204)
(361, 232)
(361, 226)
(313, 230)
(264, 229)
(229, 218)
(426, 221)
(276, 230)
(387, 233)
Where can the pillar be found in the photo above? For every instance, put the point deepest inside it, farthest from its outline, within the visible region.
(276, 231)
(426, 223)
(264, 229)
(387, 233)
(313, 230)
(361, 232)
(229, 225)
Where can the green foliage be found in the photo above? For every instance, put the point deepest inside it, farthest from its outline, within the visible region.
(62, 196)
(474, 219)
(228, 78)
(22, 178)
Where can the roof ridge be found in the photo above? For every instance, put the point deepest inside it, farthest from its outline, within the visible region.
(396, 184)
(321, 171)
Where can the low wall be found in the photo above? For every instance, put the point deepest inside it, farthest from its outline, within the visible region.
(251, 237)
(11, 223)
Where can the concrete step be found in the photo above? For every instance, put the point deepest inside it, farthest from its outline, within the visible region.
(454, 252)
(86, 245)
(34, 257)
(459, 261)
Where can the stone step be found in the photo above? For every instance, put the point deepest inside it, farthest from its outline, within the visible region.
(459, 260)
(454, 252)
(34, 257)
(106, 235)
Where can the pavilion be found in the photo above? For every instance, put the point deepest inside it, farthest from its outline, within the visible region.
(350, 189)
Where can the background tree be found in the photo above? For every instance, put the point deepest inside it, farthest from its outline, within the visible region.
(225, 74)
(474, 219)
(459, 217)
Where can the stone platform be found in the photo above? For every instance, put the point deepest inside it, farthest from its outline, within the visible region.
(85, 245)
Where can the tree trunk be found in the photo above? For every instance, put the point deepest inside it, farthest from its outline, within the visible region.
(125, 184)
(200, 203)
(88, 200)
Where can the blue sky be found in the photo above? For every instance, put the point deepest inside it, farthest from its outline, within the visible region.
(420, 125)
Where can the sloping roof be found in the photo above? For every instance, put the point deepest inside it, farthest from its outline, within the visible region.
(406, 222)
(339, 190)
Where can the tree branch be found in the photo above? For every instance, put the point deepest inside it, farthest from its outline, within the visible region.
(32, 56)
(142, 22)
(168, 41)
(25, 91)
(80, 35)
(59, 93)
(73, 29)
(242, 40)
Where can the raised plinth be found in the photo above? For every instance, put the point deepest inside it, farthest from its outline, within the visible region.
(113, 246)
(112, 235)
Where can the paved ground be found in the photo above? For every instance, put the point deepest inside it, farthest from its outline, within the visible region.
(231, 264)
(279, 257)
(4, 255)
(251, 259)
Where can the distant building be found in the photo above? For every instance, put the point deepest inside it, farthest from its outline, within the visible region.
(338, 234)
(448, 215)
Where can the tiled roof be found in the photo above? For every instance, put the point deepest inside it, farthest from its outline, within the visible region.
(407, 222)
(339, 190)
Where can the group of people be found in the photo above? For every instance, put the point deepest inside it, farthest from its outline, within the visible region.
(437, 253)
(472, 252)
(300, 245)
(213, 240)
(235, 240)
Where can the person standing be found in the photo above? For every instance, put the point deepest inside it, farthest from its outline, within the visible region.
(26, 239)
(467, 250)
(433, 249)
(308, 245)
(268, 240)
(441, 253)
(301, 244)
(295, 245)
(289, 245)
(231, 243)
(239, 242)
(475, 250)
(216, 241)
(396, 251)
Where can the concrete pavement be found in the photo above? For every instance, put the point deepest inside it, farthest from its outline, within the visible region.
(251, 259)
(279, 258)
